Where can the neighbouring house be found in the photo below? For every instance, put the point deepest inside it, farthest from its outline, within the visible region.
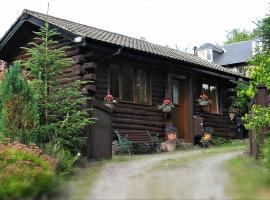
(139, 74)
(234, 56)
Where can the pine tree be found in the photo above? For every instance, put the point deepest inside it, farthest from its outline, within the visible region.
(63, 116)
(19, 112)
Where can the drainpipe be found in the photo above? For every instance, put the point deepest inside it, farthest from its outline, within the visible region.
(195, 51)
(119, 50)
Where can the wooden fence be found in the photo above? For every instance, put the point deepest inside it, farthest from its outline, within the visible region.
(262, 98)
(100, 133)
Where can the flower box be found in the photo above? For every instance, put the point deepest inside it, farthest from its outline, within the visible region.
(170, 136)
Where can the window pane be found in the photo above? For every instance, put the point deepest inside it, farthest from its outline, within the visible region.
(141, 86)
(205, 90)
(127, 78)
(176, 92)
(114, 80)
(214, 100)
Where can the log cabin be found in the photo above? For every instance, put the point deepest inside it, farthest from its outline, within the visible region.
(139, 74)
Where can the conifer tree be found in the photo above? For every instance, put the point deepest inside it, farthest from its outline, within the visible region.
(19, 112)
(63, 116)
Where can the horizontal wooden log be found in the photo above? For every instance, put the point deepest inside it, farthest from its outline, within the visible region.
(89, 65)
(138, 122)
(91, 88)
(159, 119)
(91, 76)
(138, 107)
(136, 127)
(75, 78)
(70, 73)
(137, 112)
(64, 80)
(129, 132)
(73, 52)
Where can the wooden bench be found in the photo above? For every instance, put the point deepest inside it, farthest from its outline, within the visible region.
(136, 141)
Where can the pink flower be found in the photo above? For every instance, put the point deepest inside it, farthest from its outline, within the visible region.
(167, 102)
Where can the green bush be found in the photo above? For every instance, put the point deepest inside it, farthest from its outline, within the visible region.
(18, 115)
(266, 152)
(25, 171)
(219, 141)
(65, 160)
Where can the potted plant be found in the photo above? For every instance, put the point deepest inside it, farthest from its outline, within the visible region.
(204, 101)
(233, 111)
(171, 133)
(167, 106)
(109, 101)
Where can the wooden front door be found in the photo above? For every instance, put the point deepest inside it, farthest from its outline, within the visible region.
(180, 112)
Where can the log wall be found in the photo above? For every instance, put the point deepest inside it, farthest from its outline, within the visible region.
(131, 118)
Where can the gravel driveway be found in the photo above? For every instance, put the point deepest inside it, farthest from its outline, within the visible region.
(198, 179)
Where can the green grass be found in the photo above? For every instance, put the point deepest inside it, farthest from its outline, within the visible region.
(78, 186)
(204, 153)
(249, 179)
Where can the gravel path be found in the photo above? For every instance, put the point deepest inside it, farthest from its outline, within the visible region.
(199, 179)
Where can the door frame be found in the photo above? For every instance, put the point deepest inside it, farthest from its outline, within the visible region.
(187, 101)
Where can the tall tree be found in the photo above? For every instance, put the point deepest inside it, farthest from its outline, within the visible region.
(63, 116)
(264, 32)
(19, 112)
(237, 35)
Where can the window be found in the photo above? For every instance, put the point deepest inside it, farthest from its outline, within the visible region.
(129, 83)
(141, 84)
(114, 80)
(176, 95)
(211, 92)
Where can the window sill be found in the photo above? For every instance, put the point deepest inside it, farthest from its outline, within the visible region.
(134, 103)
(216, 114)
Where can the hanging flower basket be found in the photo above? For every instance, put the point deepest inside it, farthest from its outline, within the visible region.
(232, 115)
(109, 101)
(166, 106)
(203, 100)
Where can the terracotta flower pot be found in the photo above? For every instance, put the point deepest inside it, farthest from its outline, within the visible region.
(232, 115)
(170, 136)
(205, 107)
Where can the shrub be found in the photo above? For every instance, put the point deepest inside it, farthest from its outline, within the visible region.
(219, 141)
(18, 113)
(65, 160)
(266, 152)
(25, 171)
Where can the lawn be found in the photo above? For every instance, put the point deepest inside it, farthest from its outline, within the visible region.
(250, 179)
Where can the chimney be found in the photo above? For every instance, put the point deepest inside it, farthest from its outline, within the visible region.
(195, 51)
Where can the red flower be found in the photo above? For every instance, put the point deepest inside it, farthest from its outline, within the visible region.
(109, 97)
(167, 102)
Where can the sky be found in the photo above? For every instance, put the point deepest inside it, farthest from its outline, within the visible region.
(181, 23)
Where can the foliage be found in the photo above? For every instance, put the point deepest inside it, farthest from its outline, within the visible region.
(63, 115)
(237, 35)
(65, 160)
(266, 152)
(244, 94)
(219, 141)
(249, 178)
(25, 171)
(19, 112)
(264, 32)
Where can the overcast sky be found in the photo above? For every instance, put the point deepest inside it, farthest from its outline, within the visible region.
(184, 23)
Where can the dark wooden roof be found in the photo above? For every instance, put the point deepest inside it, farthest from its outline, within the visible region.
(127, 42)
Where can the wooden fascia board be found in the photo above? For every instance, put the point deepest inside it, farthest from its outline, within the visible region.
(10, 33)
(33, 20)
(40, 23)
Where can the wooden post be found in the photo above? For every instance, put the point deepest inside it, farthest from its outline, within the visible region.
(261, 95)
(260, 99)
